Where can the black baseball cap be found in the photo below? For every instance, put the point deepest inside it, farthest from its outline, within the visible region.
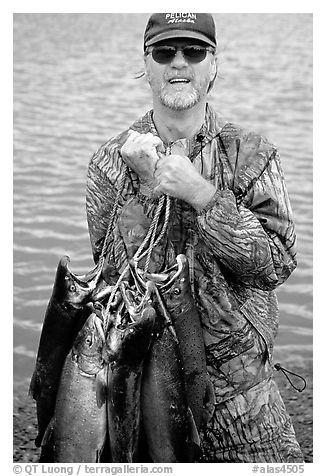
(163, 26)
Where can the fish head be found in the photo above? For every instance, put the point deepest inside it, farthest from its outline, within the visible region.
(177, 289)
(68, 289)
(136, 301)
(129, 340)
(88, 345)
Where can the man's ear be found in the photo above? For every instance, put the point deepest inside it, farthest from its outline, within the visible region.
(214, 68)
(145, 67)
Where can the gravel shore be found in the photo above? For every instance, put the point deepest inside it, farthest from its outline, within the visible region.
(299, 405)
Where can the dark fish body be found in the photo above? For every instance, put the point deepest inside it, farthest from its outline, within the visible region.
(164, 406)
(79, 425)
(127, 346)
(64, 315)
(186, 320)
(178, 300)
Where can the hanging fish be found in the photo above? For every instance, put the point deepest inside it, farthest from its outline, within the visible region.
(64, 316)
(169, 429)
(177, 296)
(179, 307)
(128, 342)
(78, 429)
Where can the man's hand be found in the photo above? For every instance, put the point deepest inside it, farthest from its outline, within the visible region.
(140, 153)
(176, 176)
(172, 175)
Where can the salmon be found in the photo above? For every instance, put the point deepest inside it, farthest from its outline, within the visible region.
(179, 301)
(179, 308)
(128, 342)
(78, 428)
(64, 316)
(165, 415)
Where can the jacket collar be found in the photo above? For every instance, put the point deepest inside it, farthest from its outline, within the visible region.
(211, 127)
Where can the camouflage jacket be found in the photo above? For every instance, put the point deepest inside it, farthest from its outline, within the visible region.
(240, 247)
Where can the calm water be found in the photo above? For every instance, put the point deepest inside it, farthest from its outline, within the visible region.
(75, 86)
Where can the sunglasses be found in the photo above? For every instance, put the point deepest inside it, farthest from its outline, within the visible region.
(192, 53)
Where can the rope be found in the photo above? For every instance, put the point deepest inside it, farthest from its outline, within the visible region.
(150, 236)
(151, 230)
(162, 233)
(106, 314)
(278, 367)
(152, 242)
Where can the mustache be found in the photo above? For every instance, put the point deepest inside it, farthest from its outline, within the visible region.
(168, 76)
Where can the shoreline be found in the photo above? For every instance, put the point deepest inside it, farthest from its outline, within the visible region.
(299, 406)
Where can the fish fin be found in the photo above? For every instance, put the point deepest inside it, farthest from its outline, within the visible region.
(101, 455)
(193, 431)
(34, 386)
(47, 444)
(101, 386)
(194, 450)
(38, 440)
(47, 454)
(209, 402)
(46, 439)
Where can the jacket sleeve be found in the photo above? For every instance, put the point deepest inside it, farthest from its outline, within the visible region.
(254, 240)
(103, 178)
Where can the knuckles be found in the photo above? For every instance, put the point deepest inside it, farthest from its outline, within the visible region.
(139, 144)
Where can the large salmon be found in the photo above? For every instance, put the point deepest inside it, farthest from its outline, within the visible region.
(180, 307)
(178, 298)
(165, 414)
(64, 316)
(78, 428)
(128, 342)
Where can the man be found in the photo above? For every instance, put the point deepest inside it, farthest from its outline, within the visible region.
(230, 215)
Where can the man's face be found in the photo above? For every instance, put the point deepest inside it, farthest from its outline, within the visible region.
(180, 84)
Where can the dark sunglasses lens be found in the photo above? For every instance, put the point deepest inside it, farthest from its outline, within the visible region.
(194, 54)
(165, 54)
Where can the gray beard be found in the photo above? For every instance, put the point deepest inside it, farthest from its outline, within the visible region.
(179, 101)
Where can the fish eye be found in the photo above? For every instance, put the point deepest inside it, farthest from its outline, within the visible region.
(176, 291)
(88, 340)
(72, 288)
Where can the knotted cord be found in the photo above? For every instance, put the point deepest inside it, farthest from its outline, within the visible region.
(278, 367)
(153, 241)
(152, 232)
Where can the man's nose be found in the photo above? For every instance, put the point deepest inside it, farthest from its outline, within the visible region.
(179, 61)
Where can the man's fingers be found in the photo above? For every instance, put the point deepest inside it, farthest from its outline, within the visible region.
(147, 142)
(132, 134)
(158, 144)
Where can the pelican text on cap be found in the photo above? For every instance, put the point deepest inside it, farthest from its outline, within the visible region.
(180, 17)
